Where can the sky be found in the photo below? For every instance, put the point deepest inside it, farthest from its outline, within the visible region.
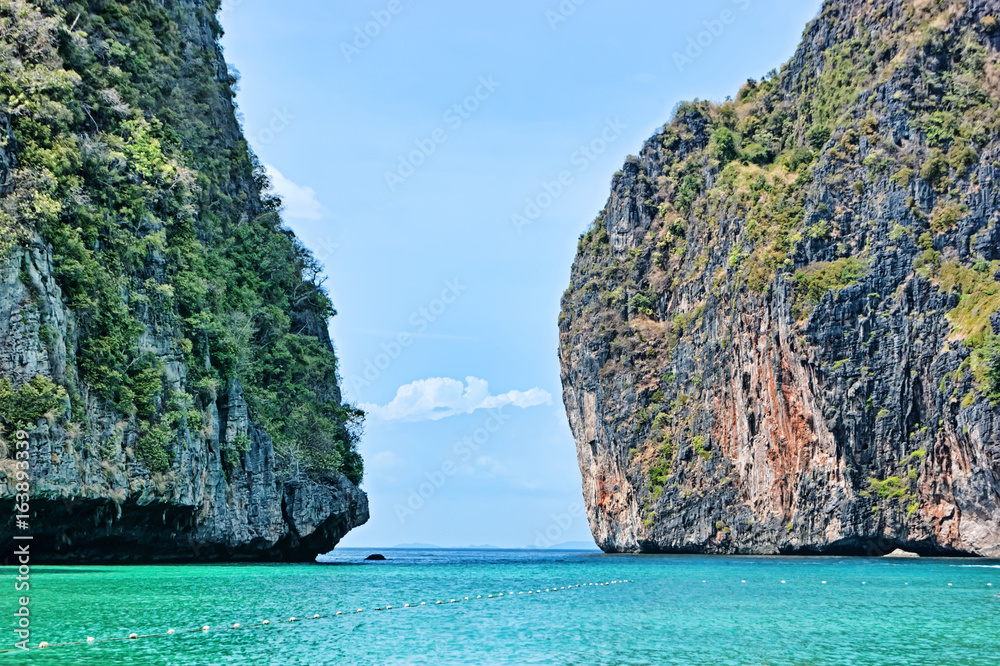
(419, 148)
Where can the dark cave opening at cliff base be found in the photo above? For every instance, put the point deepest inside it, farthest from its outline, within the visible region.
(876, 547)
(856, 547)
(67, 531)
(100, 531)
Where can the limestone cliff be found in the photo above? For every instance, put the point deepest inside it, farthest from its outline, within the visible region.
(163, 338)
(781, 333)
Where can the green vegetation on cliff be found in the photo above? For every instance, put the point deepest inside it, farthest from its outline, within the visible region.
(161, 227)
(23, 407)
(816, 280)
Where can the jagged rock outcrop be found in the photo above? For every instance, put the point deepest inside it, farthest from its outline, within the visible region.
(781, 334)
(163, 339)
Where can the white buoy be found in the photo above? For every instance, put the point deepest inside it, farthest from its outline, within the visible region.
(90, 639)
(340, 612)
(491, 596)
(133, 636)
(265, 622)
(360, 610)
(236, 626)
(423, 603)
(454, 601)
(43, 645)
(316, 616)
(479, 596)
(824, 582)
(205, 628)
(291, 619)
(406, 605)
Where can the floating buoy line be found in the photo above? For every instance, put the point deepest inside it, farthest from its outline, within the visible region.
(205, 629)
(237, 626)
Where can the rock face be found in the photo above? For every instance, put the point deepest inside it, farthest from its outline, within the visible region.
(781, 333)
(182, 463)
(902, 555)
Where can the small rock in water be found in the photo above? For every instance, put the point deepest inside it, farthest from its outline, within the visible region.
(375, 558)
(899, 552)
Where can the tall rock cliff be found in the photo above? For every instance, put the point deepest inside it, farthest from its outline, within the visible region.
(163, 337)
(782, 332)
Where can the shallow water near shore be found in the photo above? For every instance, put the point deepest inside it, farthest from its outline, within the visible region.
(673, 610)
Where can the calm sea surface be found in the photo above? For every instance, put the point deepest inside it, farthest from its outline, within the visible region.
(673, 610)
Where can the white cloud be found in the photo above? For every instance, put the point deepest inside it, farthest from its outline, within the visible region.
(440, 397)
(383, 460)
(493, 466)
(300, 202)
(483, 465)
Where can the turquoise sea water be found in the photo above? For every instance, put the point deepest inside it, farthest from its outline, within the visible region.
(678, 610)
